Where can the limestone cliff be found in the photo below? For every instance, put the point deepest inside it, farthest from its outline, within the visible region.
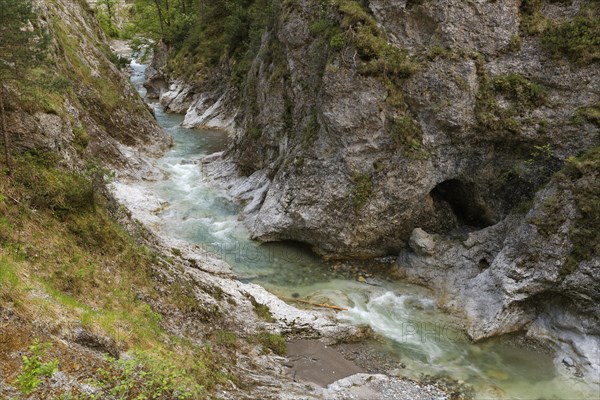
(361, 121)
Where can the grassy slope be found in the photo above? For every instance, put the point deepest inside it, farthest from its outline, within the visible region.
(66, 266)
(72, 276)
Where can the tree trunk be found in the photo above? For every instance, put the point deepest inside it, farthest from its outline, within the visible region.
(160, 18)
(5, 132)
(168, 18)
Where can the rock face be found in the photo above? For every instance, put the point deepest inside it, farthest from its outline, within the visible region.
(335, 150)
(470, 119)
(537, 273)
(94, 112)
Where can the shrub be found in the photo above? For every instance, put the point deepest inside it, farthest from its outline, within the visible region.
(578, 39)
(274, 342)
(522, 94)
(34, 369)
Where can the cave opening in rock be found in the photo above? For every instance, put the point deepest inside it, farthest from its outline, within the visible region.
(465, 203)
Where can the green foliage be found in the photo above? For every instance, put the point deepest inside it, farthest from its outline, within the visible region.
(9, 281)
(522, 94)
(226, 338)
(81, 138)
(254, 132)
(520, 90)
(91, 272)
(540, 154)
(273, 341)
(106, 14)
(378, 55)
(515, 43)
(34, 368)
(533, 21)
(577, 39)
(588, 114)
(407, 135)
(261, 310)
(551, 217)
(579, 178)
(311, 130)
(24, 43)
(320, 26)
(208, 34)
(52, 188)
(583, 173)
(363, 189)
(144, 377)
(338, 41)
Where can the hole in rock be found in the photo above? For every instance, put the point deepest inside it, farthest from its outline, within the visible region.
(483, 264)
(464, 202)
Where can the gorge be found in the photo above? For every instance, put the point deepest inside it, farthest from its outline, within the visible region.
(432, 166)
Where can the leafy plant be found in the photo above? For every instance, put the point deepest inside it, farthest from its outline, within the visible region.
(142, 377)
(34, 369)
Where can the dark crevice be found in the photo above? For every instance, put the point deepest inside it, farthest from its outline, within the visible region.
(464, 202)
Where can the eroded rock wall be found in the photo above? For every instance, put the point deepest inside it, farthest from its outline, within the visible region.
(82, 107)
(326, 134)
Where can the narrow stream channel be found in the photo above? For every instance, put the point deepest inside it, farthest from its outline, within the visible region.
(412, 329)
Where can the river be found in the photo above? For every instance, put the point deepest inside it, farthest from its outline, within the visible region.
(411, 328)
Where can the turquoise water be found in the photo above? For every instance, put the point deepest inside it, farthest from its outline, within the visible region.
(413, 330)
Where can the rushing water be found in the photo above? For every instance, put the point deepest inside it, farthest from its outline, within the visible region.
(413, 330)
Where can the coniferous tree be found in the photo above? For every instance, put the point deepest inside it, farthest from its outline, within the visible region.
(22, 46)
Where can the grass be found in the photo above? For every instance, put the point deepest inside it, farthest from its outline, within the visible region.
(272, 341)
(261, 310)
(65, 261)
(379, 57)
(588, 114)
(533, 22)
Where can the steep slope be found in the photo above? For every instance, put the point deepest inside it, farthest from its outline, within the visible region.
(76, 102)
(91, 304)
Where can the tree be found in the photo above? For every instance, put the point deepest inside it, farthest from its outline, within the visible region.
(22, 46)
(107, 16)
